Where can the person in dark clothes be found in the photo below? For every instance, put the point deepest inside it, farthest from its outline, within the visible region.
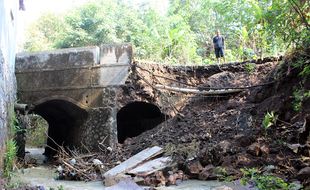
(219, 46)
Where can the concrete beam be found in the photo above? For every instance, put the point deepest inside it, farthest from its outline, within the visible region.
(115, 63)
(57, 59)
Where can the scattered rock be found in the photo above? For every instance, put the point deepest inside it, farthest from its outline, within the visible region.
(193, 168)
(206, 172)
(264, 150)
(156, 180)
(303, 174)
(234, 150)
(253, 149)
(245, 124)
(304, 165)
(174, 179)
(274, 150)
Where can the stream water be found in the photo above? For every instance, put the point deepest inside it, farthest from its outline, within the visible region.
(44, 176)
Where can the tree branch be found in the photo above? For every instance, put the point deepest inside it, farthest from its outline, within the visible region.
(299, 11)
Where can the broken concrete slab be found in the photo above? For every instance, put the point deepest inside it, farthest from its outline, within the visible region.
(136, 160)
(125, 185)
(151, 166)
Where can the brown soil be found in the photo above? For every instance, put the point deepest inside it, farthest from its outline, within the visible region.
(227, 130)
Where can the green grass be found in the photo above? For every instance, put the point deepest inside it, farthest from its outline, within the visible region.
(36, 134)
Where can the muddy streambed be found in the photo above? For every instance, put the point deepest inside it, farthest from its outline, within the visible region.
(44, 176)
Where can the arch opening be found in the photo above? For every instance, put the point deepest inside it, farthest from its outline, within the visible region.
(136, 118)
(65, 120)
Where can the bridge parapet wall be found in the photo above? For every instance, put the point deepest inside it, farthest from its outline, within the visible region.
(56, 72)
(58, 59)
(49, 80)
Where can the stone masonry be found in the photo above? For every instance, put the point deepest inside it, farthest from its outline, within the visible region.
(74, 92)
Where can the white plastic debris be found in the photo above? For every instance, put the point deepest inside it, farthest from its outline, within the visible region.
(59, 169)
(98, 162)
(73, 162)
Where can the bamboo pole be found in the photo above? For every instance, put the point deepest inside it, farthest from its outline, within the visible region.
(196, 91)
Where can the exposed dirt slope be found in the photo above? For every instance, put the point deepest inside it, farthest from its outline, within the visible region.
(227, 131)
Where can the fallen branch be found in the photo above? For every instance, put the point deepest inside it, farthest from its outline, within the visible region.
(71, 167)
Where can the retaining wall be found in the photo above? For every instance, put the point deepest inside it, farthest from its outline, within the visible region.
(8, 32)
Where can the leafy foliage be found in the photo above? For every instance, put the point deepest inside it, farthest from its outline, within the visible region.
(300, 95)
(180, 32)
(265, 181)
(270, 119)
(36, 135)
(9, 157)
(223, 174)
(11, 149)
(250, 68)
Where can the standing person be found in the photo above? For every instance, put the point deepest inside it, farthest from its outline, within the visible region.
(219, 46)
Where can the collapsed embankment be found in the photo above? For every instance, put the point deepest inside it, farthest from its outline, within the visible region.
(212, 136)
(226, 131)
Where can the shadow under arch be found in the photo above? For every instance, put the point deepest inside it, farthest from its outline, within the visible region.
(137, 117)
(65, 121)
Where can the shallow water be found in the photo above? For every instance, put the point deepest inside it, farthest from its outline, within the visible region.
(44, 176)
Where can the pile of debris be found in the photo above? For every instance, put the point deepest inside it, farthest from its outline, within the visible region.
(145, 168)
(78, 167)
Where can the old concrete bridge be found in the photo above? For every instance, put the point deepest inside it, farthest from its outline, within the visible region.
(74, 90)
(90, 94)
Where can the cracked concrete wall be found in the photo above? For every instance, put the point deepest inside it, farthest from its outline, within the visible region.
(8, 33)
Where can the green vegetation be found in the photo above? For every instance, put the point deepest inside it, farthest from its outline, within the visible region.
(181, 32)
(9, 157)
(11, 150)
(270, 119)
(265, 181)
(36, 135)
(59, 188)
(223, 174)
(16, 185)
(300, 93)
(250, 68)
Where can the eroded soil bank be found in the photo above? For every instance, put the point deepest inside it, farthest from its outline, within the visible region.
(227, 131)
